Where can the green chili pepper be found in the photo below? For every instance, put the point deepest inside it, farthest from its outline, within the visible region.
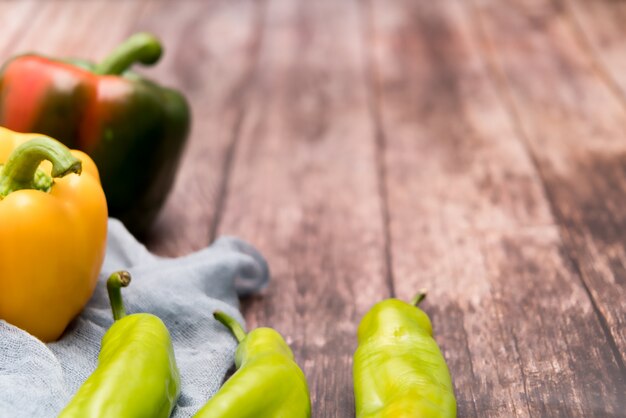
(398, 368)
(137, 374)
(267, 383)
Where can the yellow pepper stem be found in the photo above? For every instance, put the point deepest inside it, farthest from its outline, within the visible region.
(418, 298)
(115, 283)
(20, 170)
(230, 323)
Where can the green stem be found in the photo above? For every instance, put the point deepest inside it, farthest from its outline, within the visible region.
(141, 47)
(417, 299)
(19, 171)
(115, 283)
(231, 324)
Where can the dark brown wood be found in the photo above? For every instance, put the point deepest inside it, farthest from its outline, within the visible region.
(469, 221)
(304, 189)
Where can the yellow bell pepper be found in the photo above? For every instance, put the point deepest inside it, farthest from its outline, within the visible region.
(53, 226)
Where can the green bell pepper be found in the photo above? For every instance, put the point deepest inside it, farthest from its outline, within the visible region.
(137, 376)
(267, 383)
(398, 369)
(133, 129)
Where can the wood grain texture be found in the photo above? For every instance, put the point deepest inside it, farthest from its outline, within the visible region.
(304, 190)
(600, 27)
(573, 125)
(469, 221)
(211, 50)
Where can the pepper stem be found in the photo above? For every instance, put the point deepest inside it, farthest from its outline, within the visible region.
(141, 47)
(20, 169)
(115, 283)
(419, 297)
(230, 323)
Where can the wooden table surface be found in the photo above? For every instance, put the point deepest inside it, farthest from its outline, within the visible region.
(476, 148)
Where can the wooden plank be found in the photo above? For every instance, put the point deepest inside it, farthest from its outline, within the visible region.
(600, 27)
(304, 189)
(469, 220)
(212, 53)
(573, 125)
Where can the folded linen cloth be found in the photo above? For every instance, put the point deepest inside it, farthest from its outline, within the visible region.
(38, 380)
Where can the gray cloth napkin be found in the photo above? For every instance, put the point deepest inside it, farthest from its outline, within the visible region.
(37, 380)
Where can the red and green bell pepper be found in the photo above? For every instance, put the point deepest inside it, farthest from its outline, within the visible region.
(133, 128)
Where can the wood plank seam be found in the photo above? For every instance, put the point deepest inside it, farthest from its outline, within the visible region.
(373, 98)
(211, 59)
(305, 168)
(499, 80)
(522, 372)
(468, 354)
(244, 85)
